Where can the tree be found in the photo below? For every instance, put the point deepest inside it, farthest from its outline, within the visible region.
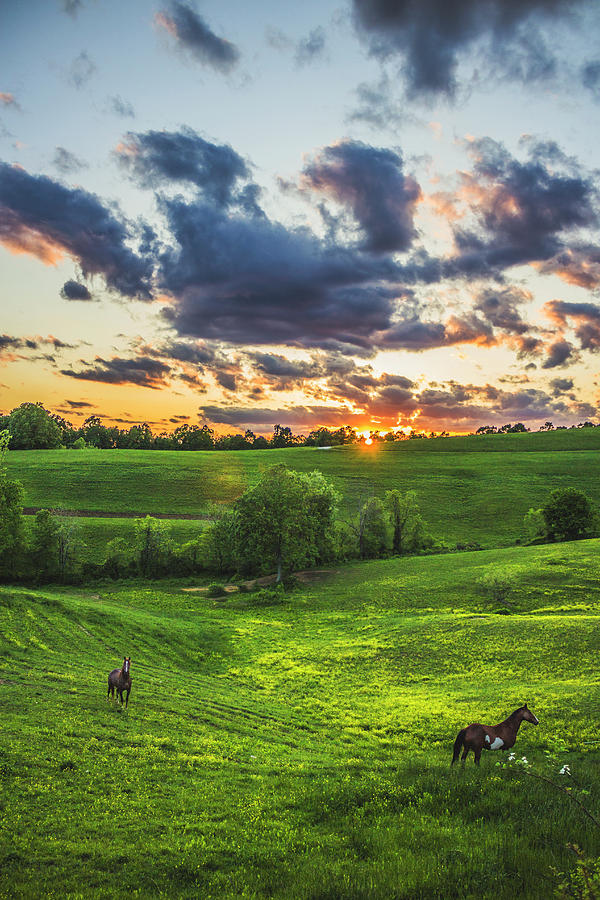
(150, 545)
(218, 543)
(284, 521)
(33, 428)
(12, 528)
(44, 546)
(282, 436)
(568, 514)
(405, 520)
(370, 528)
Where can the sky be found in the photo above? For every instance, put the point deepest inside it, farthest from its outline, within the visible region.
(375, 213)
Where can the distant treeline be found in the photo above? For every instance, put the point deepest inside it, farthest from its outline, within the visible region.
(32, 427)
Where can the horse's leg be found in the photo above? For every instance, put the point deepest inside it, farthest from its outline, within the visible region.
(465, 753)
(127, 697)
(477, 753)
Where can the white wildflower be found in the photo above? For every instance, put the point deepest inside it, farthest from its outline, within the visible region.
(566, 770)
(511, 757)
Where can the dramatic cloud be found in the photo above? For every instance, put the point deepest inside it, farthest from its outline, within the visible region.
(193, 35)
(584, 316)
(149, 373)
(66, 162)
(73, 290)
(44, 218)
(559, 353)
(252, 281)
(431, 37)
(523, 210)
(161, 157)
(370, 182)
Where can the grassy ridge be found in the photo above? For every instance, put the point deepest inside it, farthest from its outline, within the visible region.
(299, 749)
(464, 496)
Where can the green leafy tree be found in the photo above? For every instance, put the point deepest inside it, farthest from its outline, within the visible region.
(282, 436)
(12, 526)
(151, 545)
(284, 521)
(370, 528)
(218, 543)
(44, 546)
(405, 520)
(568, 514)
(33, 428)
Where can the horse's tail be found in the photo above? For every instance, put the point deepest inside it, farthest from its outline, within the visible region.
(460, 739)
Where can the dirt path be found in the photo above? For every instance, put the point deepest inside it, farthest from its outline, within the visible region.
(306, 576)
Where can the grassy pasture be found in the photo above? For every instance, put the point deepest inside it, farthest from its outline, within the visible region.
(465, 495)
(300, 749)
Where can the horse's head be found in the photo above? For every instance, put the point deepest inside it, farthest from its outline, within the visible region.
(528, 716)
(126, 664)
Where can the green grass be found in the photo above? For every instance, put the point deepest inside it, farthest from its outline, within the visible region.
(465, 494)
(300, 749)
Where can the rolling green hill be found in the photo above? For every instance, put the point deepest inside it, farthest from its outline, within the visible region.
(467, 488)
(298, 747)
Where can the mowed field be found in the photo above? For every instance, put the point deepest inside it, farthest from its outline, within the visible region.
(300, 747)
(473, 489)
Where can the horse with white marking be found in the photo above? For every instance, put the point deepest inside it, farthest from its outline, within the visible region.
(478, 737)
(119, 680)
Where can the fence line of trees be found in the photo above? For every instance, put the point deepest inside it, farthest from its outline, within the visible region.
(32, 427)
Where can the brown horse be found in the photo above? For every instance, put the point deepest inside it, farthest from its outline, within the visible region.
(119, 680)
(478, 737)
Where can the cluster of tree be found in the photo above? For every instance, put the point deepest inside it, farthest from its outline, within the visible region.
(287, 520)
(519, 427)
(32, 427)
(567, 515)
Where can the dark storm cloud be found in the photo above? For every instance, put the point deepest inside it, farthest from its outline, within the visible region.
(194, 36)
(253, 281)
(79, 404)
(500, 308)
(156, 158)
(41, 216)
(577, 264)
(81, 70)
(584, 316)
(432, 36)
(140, 371)
(523, 210)
(66, 162)
(120, 107)
(370, 182)
(559, 353)
(73, 290)
(298, 417)
(561, 386)
(9, 343)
